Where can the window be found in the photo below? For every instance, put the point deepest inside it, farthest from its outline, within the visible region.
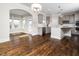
(16, 23)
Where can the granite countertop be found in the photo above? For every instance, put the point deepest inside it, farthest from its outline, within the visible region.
(67, 26)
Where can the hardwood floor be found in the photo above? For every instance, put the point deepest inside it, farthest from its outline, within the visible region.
(40, 46)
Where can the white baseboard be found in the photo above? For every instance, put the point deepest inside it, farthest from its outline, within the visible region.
(56, 37)
(4, 40)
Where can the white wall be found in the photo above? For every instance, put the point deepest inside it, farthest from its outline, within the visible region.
(4, 23)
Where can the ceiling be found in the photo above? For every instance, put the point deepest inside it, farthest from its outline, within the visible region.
(19, 12)
(55, 8)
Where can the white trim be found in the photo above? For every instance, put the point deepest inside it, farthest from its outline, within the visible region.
(4, 40)
(55, 37)
(35, 34)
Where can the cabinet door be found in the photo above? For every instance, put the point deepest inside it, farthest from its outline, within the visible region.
(67, 17)
(40, 18)
(77, 17)
(72, 19)
(56, 33)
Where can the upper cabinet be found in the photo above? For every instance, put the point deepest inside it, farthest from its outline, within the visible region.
(68, 19)
(48, 20)
(40, 19)
(77, 16)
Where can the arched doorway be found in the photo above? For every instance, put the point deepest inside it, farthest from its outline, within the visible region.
(19, 20)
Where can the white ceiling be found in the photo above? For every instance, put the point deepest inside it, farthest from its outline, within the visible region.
(19, 12)
(52, 8)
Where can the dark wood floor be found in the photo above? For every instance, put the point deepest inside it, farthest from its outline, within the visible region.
(46, 47)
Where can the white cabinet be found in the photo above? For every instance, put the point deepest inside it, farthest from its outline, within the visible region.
(56, 33)
(76, 16)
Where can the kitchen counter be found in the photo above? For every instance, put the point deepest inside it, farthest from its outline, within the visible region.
(66, 29)
(67, 26)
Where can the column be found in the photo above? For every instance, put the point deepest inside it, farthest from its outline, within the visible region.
(21, 24)
(55, 28)
(35, 24)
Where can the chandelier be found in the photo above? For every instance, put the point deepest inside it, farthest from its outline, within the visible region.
(60, 11)
(36, 7)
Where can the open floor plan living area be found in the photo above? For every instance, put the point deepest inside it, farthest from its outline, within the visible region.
(39, 29)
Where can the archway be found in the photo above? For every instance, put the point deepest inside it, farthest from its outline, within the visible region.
(19, 20)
